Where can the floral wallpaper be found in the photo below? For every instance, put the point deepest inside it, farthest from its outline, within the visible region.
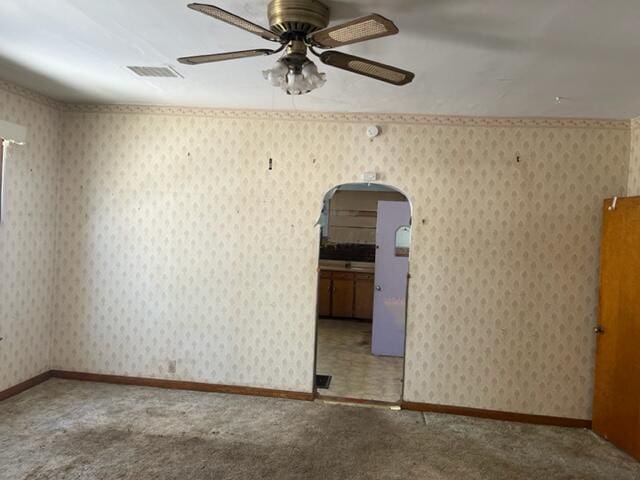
(177, 243)
(634, 165)
(140, 236)
(27, 236)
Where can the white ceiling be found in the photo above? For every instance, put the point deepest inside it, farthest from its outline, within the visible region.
(471, 57)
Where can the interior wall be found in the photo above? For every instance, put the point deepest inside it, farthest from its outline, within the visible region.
(634, 164)
(27, 236)
(178, 243)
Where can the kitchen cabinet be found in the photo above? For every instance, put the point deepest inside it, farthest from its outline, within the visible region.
(324, 294)
(342, 299)
(363, 304)
(345, 295)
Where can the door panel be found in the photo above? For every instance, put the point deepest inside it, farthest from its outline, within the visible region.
(616, 409)
(363, 304)
(389, 307)
(324, 295)
(342, 302)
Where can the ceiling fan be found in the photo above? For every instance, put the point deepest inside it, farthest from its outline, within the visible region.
(300, 26)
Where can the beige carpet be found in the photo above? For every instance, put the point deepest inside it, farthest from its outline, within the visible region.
(72, 430)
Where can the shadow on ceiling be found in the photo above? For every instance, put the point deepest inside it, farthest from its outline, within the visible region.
(12, 71)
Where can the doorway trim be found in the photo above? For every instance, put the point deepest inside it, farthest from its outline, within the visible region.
(314, 390)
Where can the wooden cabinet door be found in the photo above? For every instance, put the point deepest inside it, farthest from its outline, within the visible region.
(616, 407)
(324, 294)
(363, 302)
(342, 301)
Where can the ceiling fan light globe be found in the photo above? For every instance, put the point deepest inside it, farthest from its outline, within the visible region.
(309, 69)
(311, 75)
(318, 81)
(280, 68)
(292, 79)
(297, 84)
(304, 85)
(274, 79)
(277, 76)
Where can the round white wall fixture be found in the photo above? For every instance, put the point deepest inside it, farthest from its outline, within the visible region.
(373, 131)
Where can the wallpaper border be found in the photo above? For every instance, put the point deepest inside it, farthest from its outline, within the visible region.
(307, 116)
(338, 117)
(31, 95)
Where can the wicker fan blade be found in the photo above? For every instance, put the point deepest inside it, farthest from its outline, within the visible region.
(221, 57)
(360, 30)
(362, 66)
(234, 20)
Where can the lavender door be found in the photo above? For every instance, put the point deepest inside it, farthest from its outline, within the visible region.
(392, 267)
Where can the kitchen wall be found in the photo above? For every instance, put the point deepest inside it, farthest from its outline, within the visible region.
(176, 242)
(353, 215)
(634, 165)
(27, 236)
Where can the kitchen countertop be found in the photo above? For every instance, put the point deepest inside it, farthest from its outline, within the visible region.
(346, 266)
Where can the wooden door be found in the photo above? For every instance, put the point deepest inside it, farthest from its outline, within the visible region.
(616, 409)
(363, 302)
(324, 294)
(342, 299)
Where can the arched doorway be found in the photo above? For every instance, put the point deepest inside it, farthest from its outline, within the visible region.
(363, 267)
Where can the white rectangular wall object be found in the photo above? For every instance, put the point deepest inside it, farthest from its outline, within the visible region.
(12, 132)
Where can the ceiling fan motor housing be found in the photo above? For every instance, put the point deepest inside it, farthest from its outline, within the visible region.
(297, 18)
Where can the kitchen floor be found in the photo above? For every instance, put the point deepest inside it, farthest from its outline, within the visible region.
(63, 430)
(344, 352)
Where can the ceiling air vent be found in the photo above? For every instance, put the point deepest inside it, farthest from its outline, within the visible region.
(165, 72)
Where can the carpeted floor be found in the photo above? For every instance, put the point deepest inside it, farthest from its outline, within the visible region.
(73, 430)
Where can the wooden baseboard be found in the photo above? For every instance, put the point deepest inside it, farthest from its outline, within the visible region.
(266, 392)
(26, 385)
(497, 415)
(182, 385)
